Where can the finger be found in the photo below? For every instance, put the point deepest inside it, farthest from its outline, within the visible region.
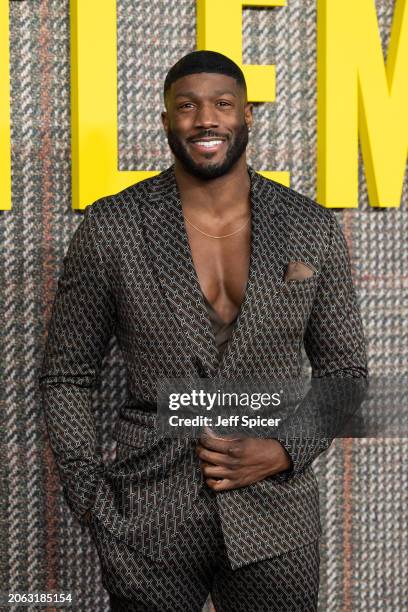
(216, 444)
(220, 485)
(215, 458)
(215, 471)
(222, 445)
(209, 433)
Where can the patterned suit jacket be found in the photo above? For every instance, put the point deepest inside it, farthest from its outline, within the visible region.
(129, 271)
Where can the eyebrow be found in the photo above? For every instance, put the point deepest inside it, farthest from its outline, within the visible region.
(217, 92)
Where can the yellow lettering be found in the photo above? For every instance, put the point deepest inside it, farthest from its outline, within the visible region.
(219, 28)
(94, 95)
(358, 95)
(94, 114)
(5, 150)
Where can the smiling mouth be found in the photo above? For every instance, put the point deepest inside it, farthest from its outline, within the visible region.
(208, 145)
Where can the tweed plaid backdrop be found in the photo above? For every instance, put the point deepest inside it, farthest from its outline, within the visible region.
(363, 483)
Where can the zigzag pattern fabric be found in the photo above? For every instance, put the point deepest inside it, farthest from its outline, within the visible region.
(363, 484)
(129, 271)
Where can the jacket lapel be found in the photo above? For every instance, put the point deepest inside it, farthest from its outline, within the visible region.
(268, 240)
(171, 256)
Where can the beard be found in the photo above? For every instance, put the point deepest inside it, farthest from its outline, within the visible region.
(208, 170)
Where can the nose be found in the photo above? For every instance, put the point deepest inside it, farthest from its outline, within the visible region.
(206, 116)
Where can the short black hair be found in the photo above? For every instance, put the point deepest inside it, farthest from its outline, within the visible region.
(204, 61)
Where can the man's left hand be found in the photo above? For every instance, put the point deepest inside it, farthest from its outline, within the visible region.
(229, 463)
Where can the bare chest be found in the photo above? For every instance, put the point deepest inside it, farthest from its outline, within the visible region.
(222, 267)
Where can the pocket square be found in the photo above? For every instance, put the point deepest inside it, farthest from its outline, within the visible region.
(297, 271)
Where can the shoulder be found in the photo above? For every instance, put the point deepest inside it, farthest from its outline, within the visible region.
(300, 213)
(292, 203)
(128, 199)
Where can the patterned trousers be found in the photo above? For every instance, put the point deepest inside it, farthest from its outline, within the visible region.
(199, 565)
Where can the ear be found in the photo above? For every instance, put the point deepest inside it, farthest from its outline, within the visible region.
(165, 120)
(249, 119)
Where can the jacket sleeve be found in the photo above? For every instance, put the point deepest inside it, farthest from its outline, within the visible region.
(82, 321)
(335, 345)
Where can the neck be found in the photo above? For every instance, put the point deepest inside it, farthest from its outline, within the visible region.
(221, 197)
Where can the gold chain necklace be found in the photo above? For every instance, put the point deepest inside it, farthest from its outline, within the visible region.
(225, 235)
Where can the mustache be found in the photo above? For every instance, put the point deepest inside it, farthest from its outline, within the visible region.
(208, 134)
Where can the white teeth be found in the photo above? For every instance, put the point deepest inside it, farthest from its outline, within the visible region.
(208, 144)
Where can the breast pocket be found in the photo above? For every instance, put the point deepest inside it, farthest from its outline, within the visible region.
(303, 289)
(291, 305)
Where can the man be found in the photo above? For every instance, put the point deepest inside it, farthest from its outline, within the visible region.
(206, 270)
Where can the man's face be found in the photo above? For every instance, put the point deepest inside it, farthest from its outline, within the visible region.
(206, 123)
